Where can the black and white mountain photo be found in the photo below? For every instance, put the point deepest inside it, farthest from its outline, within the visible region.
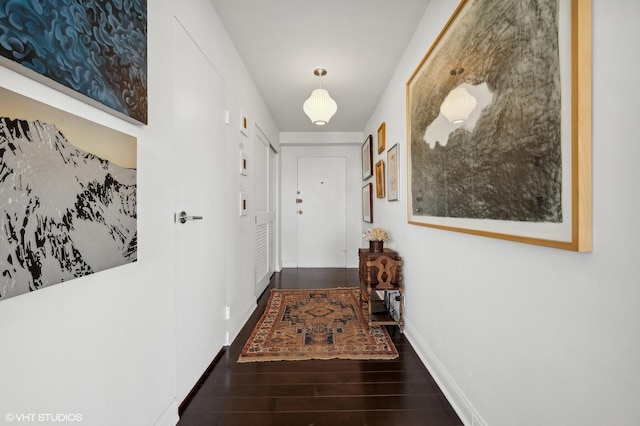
(64, 212)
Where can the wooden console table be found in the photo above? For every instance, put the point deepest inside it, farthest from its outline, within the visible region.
(380, 273)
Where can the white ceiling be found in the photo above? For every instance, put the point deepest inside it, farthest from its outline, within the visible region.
(358, 42)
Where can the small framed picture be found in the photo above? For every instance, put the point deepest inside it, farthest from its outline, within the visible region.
(244, 167)
(367, 204)
(392, 162)
(367, 158)
(380, 183)
(381, 137)
(243, 204)
(244, 123)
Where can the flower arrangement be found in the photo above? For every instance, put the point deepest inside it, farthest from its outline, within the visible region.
(376, 234)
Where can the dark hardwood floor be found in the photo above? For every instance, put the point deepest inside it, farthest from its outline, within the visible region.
(331, 392)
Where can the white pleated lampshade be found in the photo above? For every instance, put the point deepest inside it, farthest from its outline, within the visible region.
(458, 105)
(320, 107)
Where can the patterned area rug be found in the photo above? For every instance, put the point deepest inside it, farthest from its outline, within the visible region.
(316, 324)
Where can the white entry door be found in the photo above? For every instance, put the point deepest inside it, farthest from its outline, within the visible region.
(200, 192)
(322, 211)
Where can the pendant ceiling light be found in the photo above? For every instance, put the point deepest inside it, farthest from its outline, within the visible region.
(320, 107)
(459, 103)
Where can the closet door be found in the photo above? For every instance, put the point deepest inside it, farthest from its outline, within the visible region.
(265, 212)
(200, 260)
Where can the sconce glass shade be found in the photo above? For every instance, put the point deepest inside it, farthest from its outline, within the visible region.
(458, 105)
(320, 107)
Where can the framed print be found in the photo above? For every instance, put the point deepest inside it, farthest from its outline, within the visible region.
(367, 203)
(367, 158)
(244, 123)
(244, 166)
(93, 51)
(392, 161)
(68, 196)
(381, 137)
(499, 124)
(243, 204)
(380, 183)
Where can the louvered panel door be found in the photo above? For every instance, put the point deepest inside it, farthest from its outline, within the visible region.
(272, 247)
(265, 213)
(262, 254)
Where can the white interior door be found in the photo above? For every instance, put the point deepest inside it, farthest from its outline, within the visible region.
(200, 191)
(322, 211)
(265, 213)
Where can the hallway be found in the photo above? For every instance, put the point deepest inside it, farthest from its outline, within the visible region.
(334, 392)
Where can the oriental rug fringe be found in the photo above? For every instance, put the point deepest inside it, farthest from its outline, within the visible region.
(316, 324)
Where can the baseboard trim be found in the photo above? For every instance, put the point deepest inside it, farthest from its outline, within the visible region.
(196, 388)
(294, 265)
(458, 400)
(170, 416)
(238, 325)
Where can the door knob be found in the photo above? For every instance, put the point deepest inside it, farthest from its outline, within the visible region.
(183, 217)
(299, 211)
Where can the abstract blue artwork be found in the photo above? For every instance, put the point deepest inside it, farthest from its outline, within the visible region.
(96, 48)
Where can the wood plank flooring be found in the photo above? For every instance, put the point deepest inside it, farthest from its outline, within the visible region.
(331, 392)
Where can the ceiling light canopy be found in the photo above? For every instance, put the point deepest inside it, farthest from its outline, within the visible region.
(320, 107)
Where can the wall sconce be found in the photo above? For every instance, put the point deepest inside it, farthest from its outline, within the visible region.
(459, 103)
(320, 107)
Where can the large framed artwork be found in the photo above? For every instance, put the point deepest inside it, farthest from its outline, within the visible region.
(499, 124)
(68, 196)
(93, 50)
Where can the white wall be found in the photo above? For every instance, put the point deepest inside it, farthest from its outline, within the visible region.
(103, 346)
(520, 334)
(335, 144)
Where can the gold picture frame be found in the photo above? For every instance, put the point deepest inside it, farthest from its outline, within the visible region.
(519, 168)
(381, 137)
(380, 181)
(243, 123)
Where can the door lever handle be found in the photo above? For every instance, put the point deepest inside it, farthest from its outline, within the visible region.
(183, 217)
